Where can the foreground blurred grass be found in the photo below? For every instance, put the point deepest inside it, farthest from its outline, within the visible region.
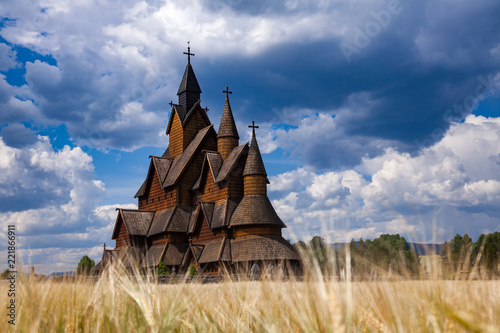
(117, 303)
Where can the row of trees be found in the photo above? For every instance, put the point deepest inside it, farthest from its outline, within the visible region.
(383, 256)
(461, 254)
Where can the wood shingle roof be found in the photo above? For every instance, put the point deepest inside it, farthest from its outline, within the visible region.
(255, 210)
(256, 248)
(153, 256)
(136, 222)
(254, 164)
(227, 126)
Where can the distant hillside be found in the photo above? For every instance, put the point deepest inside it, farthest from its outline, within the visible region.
(72, 273)
(420, 248)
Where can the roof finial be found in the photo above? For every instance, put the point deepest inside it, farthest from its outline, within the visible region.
(253, 127)
(104, 246)
(227, 92)
(189, 54)
(171, 103)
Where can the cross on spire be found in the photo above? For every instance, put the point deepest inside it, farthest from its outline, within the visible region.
(253, 127)
(171, 103)
(227, 92)
(206, 109)
(189, 54)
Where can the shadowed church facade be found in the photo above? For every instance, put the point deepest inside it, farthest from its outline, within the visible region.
(204, 201)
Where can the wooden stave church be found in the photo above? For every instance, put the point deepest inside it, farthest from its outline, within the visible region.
(204, 201)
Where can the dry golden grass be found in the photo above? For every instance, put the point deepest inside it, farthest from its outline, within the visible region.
(117, 303)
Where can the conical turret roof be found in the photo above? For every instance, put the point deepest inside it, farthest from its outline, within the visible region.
(254, 164)
(227, 126)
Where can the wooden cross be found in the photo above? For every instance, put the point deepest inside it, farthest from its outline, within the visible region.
(171, 103)
(206, 109)
(253, 127)
(189, 54)
(227, 92)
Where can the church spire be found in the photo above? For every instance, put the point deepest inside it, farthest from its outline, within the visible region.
(227, 126)
(189, 89)
(254, 175)
(254, 164)
(227, 138)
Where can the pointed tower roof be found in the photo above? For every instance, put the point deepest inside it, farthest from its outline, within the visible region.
(254, 164)
(189, 82)
(227, 126)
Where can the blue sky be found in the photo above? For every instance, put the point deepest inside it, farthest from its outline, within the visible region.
(375, 116)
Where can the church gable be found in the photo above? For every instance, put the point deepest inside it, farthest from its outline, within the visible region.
(152, 196)
(175, 133)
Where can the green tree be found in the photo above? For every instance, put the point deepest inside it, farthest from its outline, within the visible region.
(162, 269)
(84, 266)
(191, 271)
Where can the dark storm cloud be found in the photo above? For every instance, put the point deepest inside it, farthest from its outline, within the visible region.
(423, 70)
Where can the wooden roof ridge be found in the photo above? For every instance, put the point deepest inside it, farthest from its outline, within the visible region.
(154, 163)
(184, 115)
(227, 127)
(225, 242)
(161, 168)
(140, 226)
(230, 162)
(193, 218)
(128, 227)
(191, 111)
(182, 161)
(215, 162)
(190, 247)
(178, 110)
(207, 208)
(179, 220)
(211, 251)
(254, 164)
(214, 167)
(160, 222)
(153, 256)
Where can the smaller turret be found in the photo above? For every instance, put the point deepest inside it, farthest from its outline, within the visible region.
(254, 175)
(227, 138)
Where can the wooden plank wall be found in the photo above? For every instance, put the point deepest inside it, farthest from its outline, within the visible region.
(187, 197)
(176, 137)
(156, 198)
(195, 123)
(211, 192)
(203, 234)
(257, 230)
(255, 185)
(123, 238)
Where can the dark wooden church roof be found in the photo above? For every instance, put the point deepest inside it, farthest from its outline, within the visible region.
(231, 161)
(254, 164)
(136, 222)
(189, 81)
(174, 253)
(174, 219)
(153, 256)
(255, 210)
(227, 126)
(181, 161)
(256, 248)
(218, 250)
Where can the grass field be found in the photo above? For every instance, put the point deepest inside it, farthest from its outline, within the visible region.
(117, 303)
